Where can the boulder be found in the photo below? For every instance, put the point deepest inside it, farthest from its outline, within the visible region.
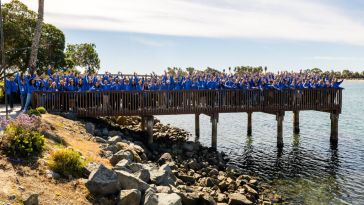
(129, 181)
(190, 146)
(208, 182)
(164, 189)
(105, 132)
(90, 128)
(53, 175)
(112, 148)
(190, 198)
(238, 199)
(166, 157)
(187, 179)
(114, 133)
(103, 181)
(206, 200)
(143, 175)
(250, 190)
(90, 167)
(129, 197)
(32, 199)
(114, 140)
(192, 164)
(163, 199)
(121, 155)
(163, 176)
(221, 197)
(100, 140)
(122, 165)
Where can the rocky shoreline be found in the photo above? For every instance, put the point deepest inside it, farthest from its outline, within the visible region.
(171, 171)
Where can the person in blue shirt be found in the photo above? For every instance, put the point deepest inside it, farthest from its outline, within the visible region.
(31, 86)
(23, 91)
(11, 90)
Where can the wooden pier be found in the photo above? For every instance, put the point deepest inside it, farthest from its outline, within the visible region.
(209, 102)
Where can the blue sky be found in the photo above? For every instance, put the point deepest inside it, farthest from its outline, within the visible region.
(150, 35)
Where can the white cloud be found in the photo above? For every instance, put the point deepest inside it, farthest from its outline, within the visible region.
(338, 58)
(306, 20)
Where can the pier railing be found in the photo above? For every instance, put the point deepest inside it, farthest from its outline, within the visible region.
(114, 103)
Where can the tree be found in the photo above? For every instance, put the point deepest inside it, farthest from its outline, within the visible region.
(316, 70)
(83, 55)
(36, 37)
(190, 70)
(19, 20)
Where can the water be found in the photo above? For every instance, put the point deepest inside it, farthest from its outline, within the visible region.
(307, 170)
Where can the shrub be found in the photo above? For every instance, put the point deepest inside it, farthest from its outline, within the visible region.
(41, 110)
(35, 112)
(67, 162)
(20, 142)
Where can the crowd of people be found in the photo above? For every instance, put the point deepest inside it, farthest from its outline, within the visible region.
(60, 82)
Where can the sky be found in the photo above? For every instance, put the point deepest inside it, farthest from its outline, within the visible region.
(150, 35)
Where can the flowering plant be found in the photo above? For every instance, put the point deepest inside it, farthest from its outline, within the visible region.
(23, 121)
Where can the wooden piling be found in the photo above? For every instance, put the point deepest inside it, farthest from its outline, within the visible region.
(197, 125)
(334, 127)
(214, 121)
(249, 126)
(142, 123)
(280, 118)
(296, 122)
(150, 124)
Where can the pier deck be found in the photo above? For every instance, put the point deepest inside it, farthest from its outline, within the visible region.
(209, 102)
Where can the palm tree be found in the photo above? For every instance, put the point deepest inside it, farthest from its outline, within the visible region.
(36, 37)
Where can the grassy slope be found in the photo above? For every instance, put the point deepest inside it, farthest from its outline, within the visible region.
(19, 180)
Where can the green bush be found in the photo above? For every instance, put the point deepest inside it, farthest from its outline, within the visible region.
(34, 112)
(41, 110)
(20, 142)
(67, 162)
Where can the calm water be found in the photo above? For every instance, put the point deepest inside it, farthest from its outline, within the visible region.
(307, 170)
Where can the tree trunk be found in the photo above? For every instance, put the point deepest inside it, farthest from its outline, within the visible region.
(2, 40)
(36, 38)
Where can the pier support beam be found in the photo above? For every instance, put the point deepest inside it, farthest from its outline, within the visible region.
(249, 126)
(296, 122)
(150, 124)
(142, 123)
(197, 125)
(280, 118)
(334, 127)
(214, 121)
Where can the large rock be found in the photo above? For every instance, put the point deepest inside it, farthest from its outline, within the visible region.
(250, 190)
(163, 199)
(129, 181)
(114, 140)
(90, 128)
(187, 179)
(208, 182)
(103, 181)
(190, 146)
(163, 176)
(32, 199)
(129, 197)
(238, 199)
(190, 198)
(166, 157)
(128, 155)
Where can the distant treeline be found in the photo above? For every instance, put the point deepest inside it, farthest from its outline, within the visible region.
(345, 74)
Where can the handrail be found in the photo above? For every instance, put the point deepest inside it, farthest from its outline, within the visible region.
(114, 103)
